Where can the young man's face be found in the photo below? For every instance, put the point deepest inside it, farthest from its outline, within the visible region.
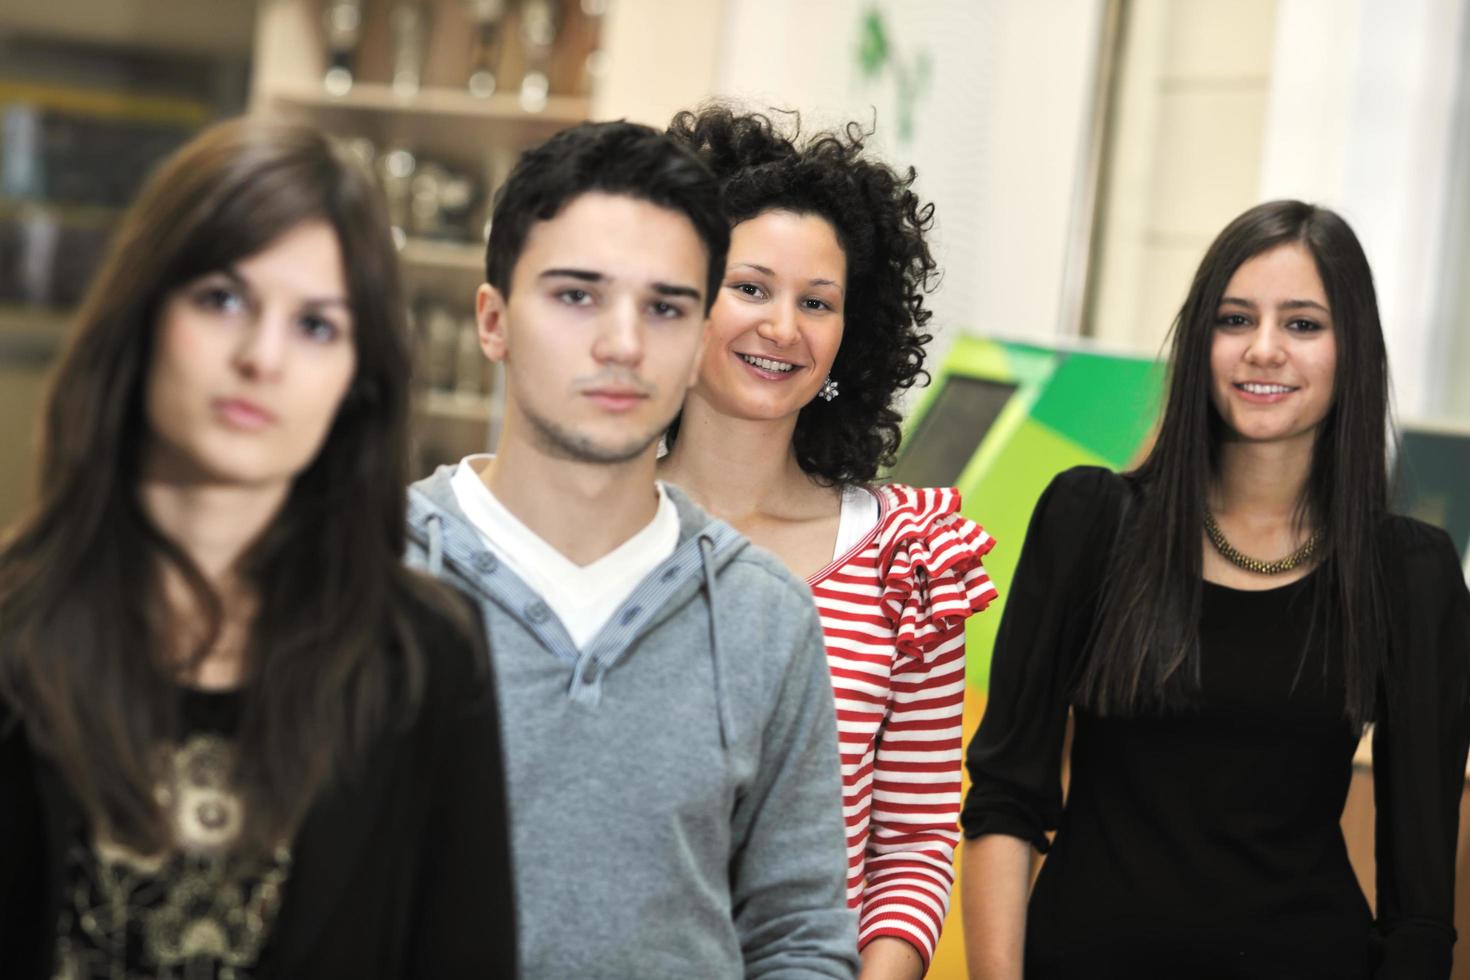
(602, 332)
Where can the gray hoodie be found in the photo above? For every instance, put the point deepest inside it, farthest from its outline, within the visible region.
(674, 787)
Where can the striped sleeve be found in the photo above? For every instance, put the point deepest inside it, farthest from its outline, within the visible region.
(933, 577)
(932, 580)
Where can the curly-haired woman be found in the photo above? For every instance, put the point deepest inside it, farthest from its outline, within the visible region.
(817, 329)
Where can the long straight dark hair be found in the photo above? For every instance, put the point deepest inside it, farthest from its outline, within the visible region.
(1145, 648)
(87, 655)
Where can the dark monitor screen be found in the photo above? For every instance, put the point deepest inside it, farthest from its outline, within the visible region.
(936, 452)
(1432, 481)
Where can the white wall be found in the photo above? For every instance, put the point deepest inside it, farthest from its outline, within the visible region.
(1362, 118)
(1185, 156)
(1034, 111)
(662, 55)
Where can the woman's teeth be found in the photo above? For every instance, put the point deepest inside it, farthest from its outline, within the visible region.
(1257, 389)
(766, 364)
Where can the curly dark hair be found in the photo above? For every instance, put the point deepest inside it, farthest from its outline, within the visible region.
(880, 224)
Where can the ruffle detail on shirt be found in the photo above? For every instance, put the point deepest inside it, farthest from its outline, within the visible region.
(931, 569)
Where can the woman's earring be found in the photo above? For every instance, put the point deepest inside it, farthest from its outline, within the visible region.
(828, 391)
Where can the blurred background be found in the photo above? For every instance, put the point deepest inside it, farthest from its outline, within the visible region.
(1081, 155)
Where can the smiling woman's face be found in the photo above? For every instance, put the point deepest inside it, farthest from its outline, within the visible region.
(1273, 358)
(777, 322)
(250, 365)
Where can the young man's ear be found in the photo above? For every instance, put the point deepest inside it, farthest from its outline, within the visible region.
(490, 316)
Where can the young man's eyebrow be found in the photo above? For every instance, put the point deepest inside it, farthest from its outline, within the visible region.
(583, 275)
(670, 289)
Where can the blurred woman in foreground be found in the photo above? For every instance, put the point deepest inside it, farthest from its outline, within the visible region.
(237, 737)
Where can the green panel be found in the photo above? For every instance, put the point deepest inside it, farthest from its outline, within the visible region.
(976, 355)
(1002, 431)
(1020, 364)
(968, 355)
(1029, 363)
(1104, 403)
(1000, 498)
(1070, 409)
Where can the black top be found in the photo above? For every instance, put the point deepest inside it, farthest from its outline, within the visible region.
(1206, 842)
(401, 868)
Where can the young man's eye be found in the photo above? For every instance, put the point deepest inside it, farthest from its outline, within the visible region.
(575, 297)
(666, 311)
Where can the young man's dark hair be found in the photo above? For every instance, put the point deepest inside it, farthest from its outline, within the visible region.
(620, 158)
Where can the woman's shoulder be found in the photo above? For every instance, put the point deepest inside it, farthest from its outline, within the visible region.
(912, 514)
(449, 632)
(1405, 535)
(930, 564)
(1089, 488)
(1422, 552)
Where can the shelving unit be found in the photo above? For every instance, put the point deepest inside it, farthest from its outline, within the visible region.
(440, 121)
(455, 405)
(91, 95)
(31, 335)
(430, 253)
(437, 101)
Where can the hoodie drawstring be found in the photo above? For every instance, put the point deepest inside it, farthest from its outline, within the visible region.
(722, 707)
(435, 525)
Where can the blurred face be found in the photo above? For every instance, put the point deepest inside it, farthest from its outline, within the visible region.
(251, 363)
(601, 333)
(777, 322)
(1274, 354)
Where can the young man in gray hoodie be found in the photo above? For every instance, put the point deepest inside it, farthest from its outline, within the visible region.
(671, 749)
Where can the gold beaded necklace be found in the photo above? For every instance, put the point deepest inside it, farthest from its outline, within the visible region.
(1228, 552)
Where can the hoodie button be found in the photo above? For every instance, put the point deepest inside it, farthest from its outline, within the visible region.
(486, 562)
(590, 672)
(631, 615)
(537, 612)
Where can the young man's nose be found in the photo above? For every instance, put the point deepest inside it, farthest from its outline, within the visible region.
(620, 335)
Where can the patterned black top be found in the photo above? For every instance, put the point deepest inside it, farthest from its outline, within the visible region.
(201, 911)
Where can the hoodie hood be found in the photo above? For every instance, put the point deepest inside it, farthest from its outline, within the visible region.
(445, 543)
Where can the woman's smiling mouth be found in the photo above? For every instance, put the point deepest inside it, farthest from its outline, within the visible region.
(767, 367)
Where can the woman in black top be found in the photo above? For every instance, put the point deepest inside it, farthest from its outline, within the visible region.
(1218, 698)
(238, 738)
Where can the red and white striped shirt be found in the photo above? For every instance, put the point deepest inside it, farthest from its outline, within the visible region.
(893, 613)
